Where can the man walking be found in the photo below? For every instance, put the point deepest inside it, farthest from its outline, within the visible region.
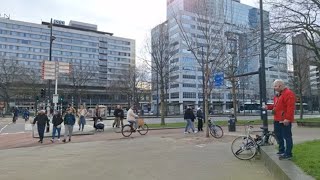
(118, 117)
(283, 110)
(69, 121)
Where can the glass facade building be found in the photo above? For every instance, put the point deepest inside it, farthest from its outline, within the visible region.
(229, 17)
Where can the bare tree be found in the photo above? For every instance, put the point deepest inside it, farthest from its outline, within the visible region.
(10, 77)
(293, 17)
(80, 76)
(161, 63)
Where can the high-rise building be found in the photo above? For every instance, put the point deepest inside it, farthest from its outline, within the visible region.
(97, 58)
(234, 26)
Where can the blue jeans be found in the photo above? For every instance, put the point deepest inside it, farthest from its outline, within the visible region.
(189, 125)
(134, 123)
(283, 133)
(54, 132)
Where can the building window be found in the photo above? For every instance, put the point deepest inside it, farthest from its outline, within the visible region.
(174, 95)
(189, 95)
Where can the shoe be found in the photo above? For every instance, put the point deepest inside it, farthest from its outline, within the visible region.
(69, 140)
(280, 153)
(39, 141)
(52, 140)
(285, 157)
(186, 132)
(195, 131)
(64, 140)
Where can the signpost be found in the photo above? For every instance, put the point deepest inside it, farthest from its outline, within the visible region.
(51, 71)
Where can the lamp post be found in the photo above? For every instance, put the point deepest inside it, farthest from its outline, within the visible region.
(262, 73)
(52, 38)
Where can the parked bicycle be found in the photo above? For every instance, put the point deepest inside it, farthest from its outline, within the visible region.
(128, 129)
(215, 130)
(246, 147)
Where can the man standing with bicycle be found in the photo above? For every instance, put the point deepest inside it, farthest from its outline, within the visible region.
(283, 111)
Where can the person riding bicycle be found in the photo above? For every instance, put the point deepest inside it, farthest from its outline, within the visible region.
(26, 114)
(131, 117)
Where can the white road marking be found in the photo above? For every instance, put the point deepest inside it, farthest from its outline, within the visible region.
(4, 127)
(201, 145)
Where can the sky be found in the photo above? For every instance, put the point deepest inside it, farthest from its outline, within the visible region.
(131, 19)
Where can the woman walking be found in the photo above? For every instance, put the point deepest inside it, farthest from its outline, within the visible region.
(82, 114)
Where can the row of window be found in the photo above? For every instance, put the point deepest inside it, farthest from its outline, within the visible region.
(193, 95)
(46, 31)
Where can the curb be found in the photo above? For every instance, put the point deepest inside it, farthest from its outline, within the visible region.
(284, 169)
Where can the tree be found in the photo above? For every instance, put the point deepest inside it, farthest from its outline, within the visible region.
(10, 77)
(208, 45)
(80, 76)
(293, 17)
(161, 63)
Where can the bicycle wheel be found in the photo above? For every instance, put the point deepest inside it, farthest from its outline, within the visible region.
(272, 140)
(126, 130)
(216, 131)
(244, 148)
(143, 129)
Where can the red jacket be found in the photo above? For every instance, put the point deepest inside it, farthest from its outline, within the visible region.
(283, 106)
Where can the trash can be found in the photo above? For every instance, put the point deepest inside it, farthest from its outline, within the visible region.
(232, 124)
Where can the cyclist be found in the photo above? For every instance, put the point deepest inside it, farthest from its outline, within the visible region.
(131, 117)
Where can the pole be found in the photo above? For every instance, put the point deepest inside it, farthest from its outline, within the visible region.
(157, 96)
(262, 73)
(50, 59)
(244, 111)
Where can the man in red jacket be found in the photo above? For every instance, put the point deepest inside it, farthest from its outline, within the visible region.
(283, 110)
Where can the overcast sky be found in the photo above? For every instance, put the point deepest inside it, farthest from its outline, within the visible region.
(124, 18)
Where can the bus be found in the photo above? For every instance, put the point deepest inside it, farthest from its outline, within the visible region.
(255, 107)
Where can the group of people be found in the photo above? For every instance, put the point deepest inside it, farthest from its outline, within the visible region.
(190, 118)
(68, 118)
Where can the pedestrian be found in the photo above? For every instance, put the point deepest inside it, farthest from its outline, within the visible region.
(42, 120)
(82, 113)
(109, 110)
(283, 108)
(97, 116)
(57, 122)
(69, 121)
(189, 117)
(118, 113)
(200, 119)
(15, 114)
(26, 114)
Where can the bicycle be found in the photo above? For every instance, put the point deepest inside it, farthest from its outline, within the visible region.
(246, 147)
(127, 129)
(215, 130)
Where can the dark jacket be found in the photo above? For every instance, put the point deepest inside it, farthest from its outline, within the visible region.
(41, 120)
(118, 113)
(188, 114)
(57, 120)
(199, 114)
(69, 119)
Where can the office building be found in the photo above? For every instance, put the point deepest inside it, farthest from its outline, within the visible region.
(237, 26)
(98, 59)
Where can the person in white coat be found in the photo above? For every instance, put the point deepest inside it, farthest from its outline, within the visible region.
(131, 117)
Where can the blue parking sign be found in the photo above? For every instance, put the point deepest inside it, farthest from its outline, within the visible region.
(218, 79)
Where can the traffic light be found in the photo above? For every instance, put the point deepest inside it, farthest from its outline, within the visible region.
(43, 93)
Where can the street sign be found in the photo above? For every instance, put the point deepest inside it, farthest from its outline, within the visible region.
(218, 79)
(51, 69)
(55, 98)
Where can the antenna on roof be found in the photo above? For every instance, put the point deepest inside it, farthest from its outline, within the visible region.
(6, 16)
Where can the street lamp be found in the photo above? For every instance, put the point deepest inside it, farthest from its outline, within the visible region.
(52, 38)
(262, 73)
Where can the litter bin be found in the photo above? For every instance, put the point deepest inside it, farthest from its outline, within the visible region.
(232, 124)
